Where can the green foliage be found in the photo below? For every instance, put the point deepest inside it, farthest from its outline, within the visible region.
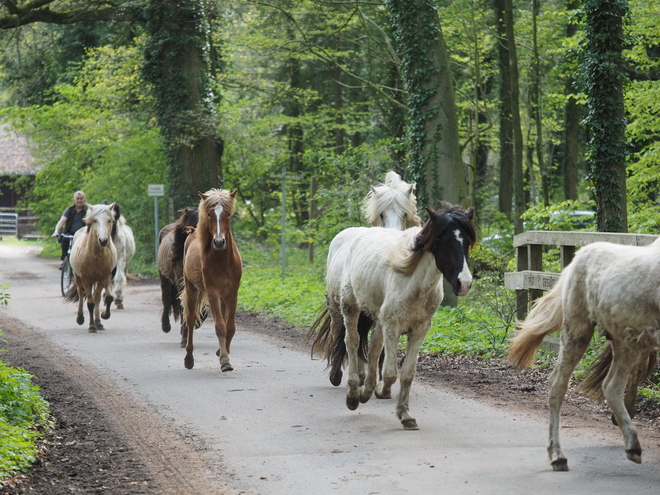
(98, 136)
(23, 415)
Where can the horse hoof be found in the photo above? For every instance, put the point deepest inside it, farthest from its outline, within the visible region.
(226, 367)
(119, 304)
(105, 315)
(166, 328)
(352, 403)
(634, 455)
(189, 362)
(383, 395)
(183, 344)
(409, 424)
(335, 378)
(560, 465)
(99, 326)
(80, 320)
(92, 329)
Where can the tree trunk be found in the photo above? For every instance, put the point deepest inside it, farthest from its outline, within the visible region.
(435, 160)
(605, 118)
(506, 123)
(177, 63)
(571, 126)
(518, 178)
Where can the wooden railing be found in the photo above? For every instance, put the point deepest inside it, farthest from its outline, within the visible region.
(529, 281)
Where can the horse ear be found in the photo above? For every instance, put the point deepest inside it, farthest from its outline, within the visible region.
(233, 194)
(202, 195)
(429, 211)
(411, 189)
(470, 213)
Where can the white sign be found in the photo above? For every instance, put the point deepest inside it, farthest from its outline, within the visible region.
(156, 189)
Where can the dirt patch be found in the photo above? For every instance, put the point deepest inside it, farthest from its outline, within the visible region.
(104, 442)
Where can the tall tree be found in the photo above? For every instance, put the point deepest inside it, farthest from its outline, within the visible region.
(572, 123)
(435, 160)
(178, 64)
(604, 77)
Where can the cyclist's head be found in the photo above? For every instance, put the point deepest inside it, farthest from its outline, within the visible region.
(79, 196)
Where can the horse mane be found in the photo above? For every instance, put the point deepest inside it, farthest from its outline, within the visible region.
(188, 219)
(393, 193)
(407, 256)
(210, 200)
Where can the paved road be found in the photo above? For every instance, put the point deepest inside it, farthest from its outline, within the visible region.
(275, 426)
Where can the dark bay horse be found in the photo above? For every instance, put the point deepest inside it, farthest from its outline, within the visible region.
(212, 270)
(171, 240)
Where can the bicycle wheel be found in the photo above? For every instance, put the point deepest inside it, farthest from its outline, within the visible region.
(67, 276)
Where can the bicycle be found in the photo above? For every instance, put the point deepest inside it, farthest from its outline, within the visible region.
(67, 272)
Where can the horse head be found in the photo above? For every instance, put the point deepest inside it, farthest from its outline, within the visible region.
(215, 210)
(448, 235)
(391, 205)
(100, 221)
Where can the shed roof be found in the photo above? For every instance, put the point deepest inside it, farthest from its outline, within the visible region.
(15, 156)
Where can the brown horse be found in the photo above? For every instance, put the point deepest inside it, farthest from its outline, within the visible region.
(93, 260)
(212, 272)
(171, 240)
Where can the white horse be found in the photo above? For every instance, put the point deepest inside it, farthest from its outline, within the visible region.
(391, 281)
(93, 259)
(616, 288)
(391, 205)
(122, 236)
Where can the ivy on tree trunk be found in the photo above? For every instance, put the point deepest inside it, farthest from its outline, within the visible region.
(604, 78)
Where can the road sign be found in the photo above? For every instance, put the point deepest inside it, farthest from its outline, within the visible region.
(156, 190)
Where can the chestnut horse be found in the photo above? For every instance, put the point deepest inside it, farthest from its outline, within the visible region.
(212, 270)
(93, 260)
(171, 240)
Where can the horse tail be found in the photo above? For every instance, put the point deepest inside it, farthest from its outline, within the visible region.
(545, 318)
(176, 302)
(200, 310)
(72, 293)
(592, 385)
(333, 347)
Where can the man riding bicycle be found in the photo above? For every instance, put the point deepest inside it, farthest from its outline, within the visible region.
(72, 219)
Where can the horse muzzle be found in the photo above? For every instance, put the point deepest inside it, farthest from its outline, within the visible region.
(464, 288)
(219, 243)
(103, 241)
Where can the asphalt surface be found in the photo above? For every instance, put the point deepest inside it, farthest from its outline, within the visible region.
(276, 426)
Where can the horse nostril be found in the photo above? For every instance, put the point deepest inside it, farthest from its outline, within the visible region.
(219, 243)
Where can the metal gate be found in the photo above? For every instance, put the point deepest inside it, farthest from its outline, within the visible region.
(8, 224)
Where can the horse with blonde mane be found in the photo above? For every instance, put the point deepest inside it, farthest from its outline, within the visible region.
(212, 270)
(122, 237)
(611, 286)
(93, 260)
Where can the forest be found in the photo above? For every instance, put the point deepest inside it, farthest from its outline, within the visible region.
(526, 111)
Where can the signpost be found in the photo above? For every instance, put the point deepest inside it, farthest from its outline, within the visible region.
(156, 190)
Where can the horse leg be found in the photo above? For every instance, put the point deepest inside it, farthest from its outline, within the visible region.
(375, 350)
(352, 339)
(166, 298)
(223, 329)
(120, 281)
(624, 360)
(98, 292)
(109, 297)
(388, 371)
(191, 297)
(80, 317)
(574, 341)
(416, 338)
